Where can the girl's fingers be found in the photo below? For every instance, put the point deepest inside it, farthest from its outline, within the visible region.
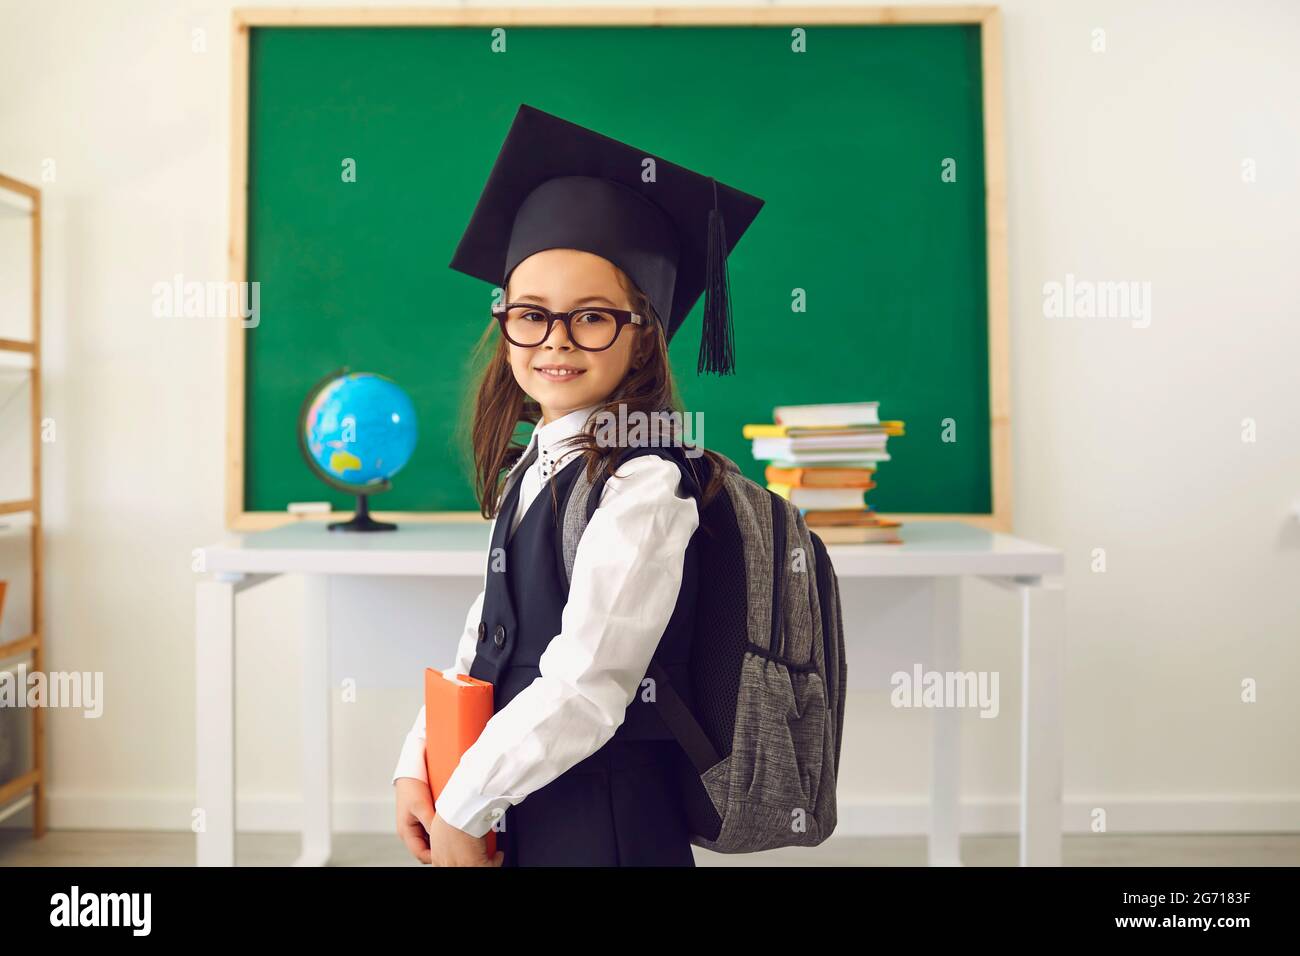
(414, 839)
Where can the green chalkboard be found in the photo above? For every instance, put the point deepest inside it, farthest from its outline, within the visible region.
(847, 143)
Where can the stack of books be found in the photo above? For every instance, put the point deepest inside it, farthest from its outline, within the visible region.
(823, 460)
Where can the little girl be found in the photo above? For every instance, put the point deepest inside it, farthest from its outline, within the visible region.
(601, 266)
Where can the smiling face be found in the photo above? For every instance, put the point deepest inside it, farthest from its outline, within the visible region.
(560, 280)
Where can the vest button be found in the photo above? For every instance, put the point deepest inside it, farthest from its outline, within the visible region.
(499, 636)
(482, 630)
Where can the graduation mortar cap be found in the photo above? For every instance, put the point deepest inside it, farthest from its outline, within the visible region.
(557, 185)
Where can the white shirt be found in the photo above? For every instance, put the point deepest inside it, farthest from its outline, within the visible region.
(627, 573)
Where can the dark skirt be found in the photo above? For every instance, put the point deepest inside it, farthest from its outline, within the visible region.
(619, 807)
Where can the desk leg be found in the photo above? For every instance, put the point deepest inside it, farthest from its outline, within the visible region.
(214, 707)
(1041, 723)
(317, 784)
(945, 780)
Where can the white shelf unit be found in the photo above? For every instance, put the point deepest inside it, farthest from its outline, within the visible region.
(28, 788)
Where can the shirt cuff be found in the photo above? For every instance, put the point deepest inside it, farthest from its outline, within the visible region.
(464, 807)
(411, 761)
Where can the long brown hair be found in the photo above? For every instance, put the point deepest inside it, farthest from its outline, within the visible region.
(499, 405)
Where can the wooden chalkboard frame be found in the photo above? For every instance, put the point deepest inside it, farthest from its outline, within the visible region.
(986, 17)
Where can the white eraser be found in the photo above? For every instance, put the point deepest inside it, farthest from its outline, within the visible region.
(309, 507)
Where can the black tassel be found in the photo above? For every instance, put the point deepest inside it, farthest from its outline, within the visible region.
(715, 342)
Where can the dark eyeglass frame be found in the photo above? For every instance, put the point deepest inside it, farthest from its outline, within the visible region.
(622, 317)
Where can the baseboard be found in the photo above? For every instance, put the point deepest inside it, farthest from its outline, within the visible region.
(867, 818)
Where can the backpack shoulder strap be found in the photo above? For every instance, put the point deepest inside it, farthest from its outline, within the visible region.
(584, 495)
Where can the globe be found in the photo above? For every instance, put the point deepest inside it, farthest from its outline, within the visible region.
(357, 430)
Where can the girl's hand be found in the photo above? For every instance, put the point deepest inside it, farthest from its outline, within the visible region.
(430, 838)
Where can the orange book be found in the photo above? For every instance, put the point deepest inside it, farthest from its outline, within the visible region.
(846, 517)
(821, 477)
(455, 713)
(858, 535)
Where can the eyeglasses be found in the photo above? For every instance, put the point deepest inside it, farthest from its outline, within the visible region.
(592, 329)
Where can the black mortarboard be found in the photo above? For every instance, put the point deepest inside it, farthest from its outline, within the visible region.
(559, 185)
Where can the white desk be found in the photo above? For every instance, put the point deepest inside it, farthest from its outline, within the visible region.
(941, 552)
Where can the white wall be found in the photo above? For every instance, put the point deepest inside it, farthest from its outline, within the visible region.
(1123, 165)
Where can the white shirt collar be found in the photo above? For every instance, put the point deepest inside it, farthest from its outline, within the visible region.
(550, 458)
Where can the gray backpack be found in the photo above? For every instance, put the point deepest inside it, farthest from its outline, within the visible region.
(767, 665)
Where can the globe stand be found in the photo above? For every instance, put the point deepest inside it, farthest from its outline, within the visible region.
(361, 521)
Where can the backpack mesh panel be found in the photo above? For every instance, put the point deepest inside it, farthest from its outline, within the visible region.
(721, 636)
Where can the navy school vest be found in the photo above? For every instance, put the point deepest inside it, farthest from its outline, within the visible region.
(525, 597)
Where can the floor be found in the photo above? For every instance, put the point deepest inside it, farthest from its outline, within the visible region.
(152, 848)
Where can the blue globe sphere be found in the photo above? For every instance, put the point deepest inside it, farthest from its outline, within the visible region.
(359, 430)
